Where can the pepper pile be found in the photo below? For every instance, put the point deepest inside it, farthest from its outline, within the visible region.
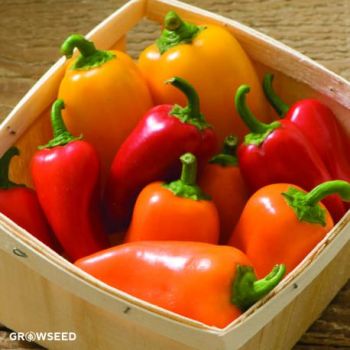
(205, 199)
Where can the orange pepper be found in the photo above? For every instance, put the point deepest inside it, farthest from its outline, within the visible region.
(209, 58)
(281, 222)
(105, 95)
(223, 181)
(177, 211)
(205, 282)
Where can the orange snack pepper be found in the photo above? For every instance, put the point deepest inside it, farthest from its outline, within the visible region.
(205, 282)
(105, 95)
(223, 181)
(282, 222)
(211, 59)
(177, 211)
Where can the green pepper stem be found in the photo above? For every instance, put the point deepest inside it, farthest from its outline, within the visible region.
(175, 32)
(85, 47)
(276, 102)
(247, 290)
(327, 188)
(228, 156)
(254, 125)
(189, 169)
(186, 186)
(230, 145)
(61, 136)
(89, 57)
(5, 161)
(191, 95)
(172, 21)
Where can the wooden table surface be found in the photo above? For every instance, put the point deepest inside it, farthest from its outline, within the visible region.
(32, 30)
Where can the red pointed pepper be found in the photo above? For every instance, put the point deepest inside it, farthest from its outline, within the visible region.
(152, 151)
(280, 152)
(319, 124)
(21, 204)
(205, 282)
(66, 176)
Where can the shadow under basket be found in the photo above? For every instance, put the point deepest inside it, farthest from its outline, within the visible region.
(43, 292)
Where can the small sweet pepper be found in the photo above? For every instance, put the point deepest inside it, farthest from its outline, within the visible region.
(21, 204)
(66, 174)
(319, 124)
(175, 211)
(222, 180)
(282, 222)
(205, 282)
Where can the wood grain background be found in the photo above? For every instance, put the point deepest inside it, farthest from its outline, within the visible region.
(32, 30)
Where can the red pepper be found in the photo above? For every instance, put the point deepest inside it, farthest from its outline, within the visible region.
(205, 282)
(21, 204)
(319, 124)
(66, 176)
(152, 151)
(280, 152)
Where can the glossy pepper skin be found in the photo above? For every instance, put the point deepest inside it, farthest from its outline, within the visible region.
(290, 223)
(151, 152)
(223, 181)
(105, 96)
(211, 59)
(21, 204)
(319, 124)
(66, 174)
(175, 211)
(280, 152)
(173, 274)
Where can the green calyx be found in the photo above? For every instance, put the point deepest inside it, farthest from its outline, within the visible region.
(89, 56)
(187, 187)
(247, 290)
(259, 130)
(5, 161)
(61, 135)
(191, 113)
(176, 32)
(228, 156)
(306, 205)
(276, 102)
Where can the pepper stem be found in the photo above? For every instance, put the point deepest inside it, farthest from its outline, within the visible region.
(228, 156)
(175, 32)
(327, 188)
(259, 130)
(5, 161)
(191, 113)
(89, 57)
(190, 93)
(247, 290)
(85, 47)
(189, 169)
(187, 187)
(61, 136)
(276, 102)
(172, 21)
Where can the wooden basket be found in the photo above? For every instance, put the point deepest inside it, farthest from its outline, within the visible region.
(41, 291)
